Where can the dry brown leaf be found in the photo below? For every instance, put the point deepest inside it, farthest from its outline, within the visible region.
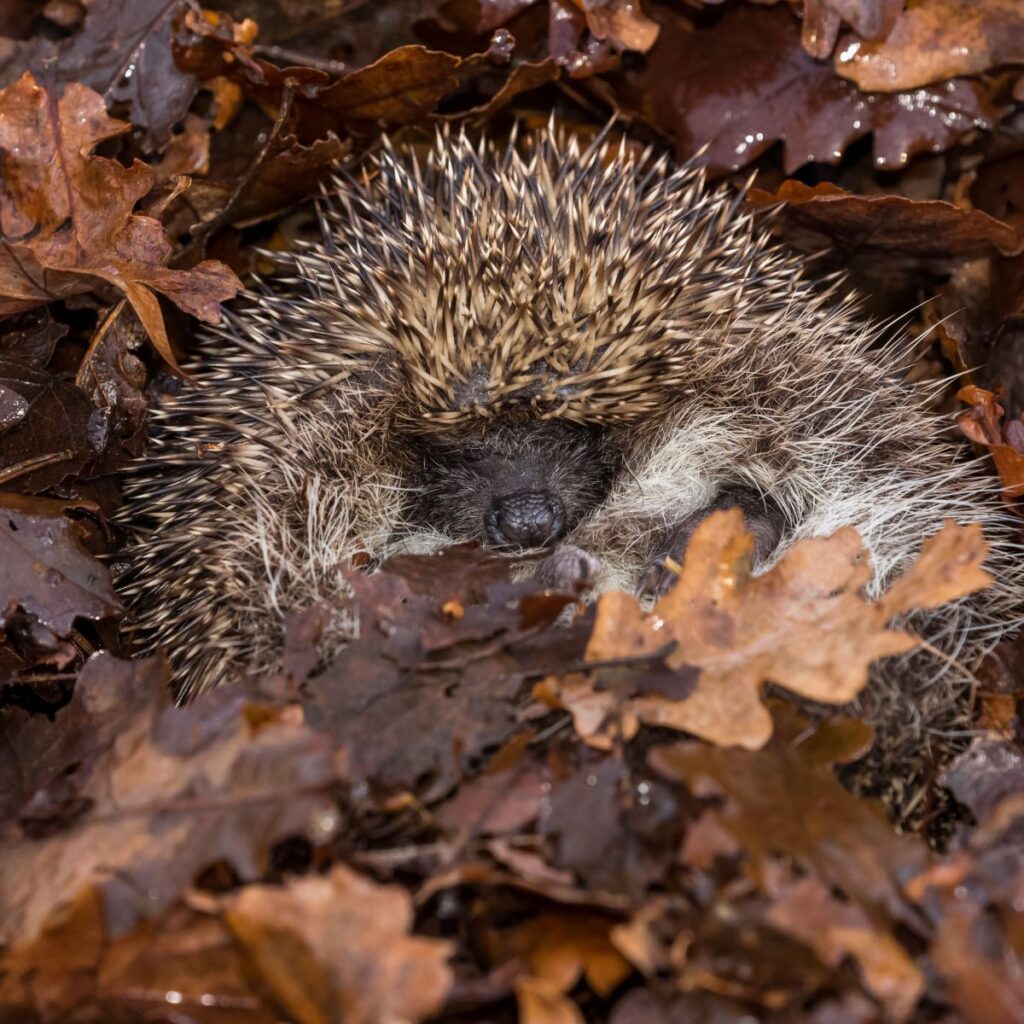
(540, 1002)
(885, 228)
(809, 912)
(560, 948)
(804, 625)
(67, 221)
(982, 424)
(337, 947)
(934, 40)
(786, 799)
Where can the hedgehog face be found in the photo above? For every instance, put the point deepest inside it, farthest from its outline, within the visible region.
(518, 485)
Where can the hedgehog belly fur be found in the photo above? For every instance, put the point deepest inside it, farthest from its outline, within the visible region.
(539, 284)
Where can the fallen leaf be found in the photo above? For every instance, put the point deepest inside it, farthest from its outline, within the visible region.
(540, 1002)
(982, 424)
(891, 228)
(419, 696)
(114, 377)
(804, 625)
(65, 436)
(985, 984)
(561, 948)
(67, 215)
(496, 803)
(729, 91)
(934, 40)
(786, 799)
(30, 338)
(161, 793)
(807, 911)
(45, 569)
(622, 22)
(984, 774)
(869, 19)
(337, 947)
(980, 312)
(616, 831)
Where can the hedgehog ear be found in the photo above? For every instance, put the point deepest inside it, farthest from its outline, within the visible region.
(762, 517)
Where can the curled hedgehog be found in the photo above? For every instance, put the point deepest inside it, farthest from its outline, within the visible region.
(578, 352)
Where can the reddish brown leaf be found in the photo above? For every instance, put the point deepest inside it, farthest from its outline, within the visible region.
(64, 436)
(621, 21)
(45, 569)
(29, 338)
(930, 232)
(809, 912)
(616, 831)
(984, 774)
(804, 625)
(935, 40)
(785, 798)
(496, 803)
(161, 793)
(338, 947)
(984, 983)
(982, 423)
(68, 221)
(870, 19)
(745, 83)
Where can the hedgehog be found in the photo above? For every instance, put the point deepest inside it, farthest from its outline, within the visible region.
(572, 352)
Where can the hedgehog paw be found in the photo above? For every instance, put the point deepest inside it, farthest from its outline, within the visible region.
(568, 568)
(658, 577)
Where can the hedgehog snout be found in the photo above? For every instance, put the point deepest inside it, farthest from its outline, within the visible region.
(528, 519)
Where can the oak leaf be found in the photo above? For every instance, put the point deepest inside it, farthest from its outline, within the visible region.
(935, 40)
(46, 570)
(804, 625)
(67, 221)
(337, 947)
(893, 228)
(983, 425)
(807, 911)
(728, 91)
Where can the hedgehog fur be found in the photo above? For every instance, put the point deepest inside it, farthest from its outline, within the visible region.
(480, 294)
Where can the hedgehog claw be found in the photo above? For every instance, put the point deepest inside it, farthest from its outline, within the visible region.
(659, 576)
(568, 568)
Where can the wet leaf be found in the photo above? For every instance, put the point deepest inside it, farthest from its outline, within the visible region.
(985, 773)
(422, 694)
(45, 569)
(614, 830)
(161, 794)
(114, 376)
(64, 437)
(68, 221)
(807, 911)
(869, 19)
(30, 339)
(934, 40)
(785, 798)
(745, 83)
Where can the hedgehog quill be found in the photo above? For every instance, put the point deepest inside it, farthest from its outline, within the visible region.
(577, 352)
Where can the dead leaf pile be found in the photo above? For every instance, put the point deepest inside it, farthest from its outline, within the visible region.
(403, 833)
(498, 803)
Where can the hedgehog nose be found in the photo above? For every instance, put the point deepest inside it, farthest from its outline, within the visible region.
(529, 519)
